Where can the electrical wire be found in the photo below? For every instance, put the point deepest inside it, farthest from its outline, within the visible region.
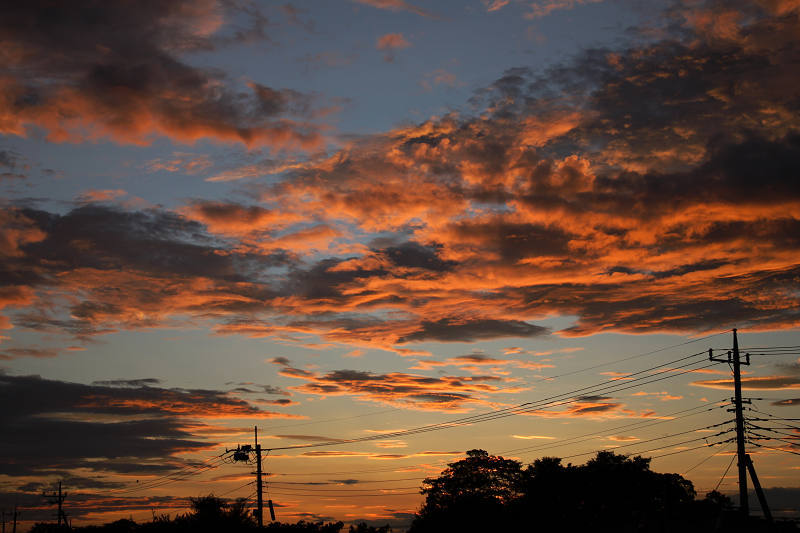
(773, 448)
(693, 449)
(178, 475)
(704, 460)
(234, 490)
(773, 430)
(733, 457)
(588, 436)
(639, 452)
(306, 489)
(527, 407)
(348, 495)
(306, 483)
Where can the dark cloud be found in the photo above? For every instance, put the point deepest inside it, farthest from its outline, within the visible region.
(147, 424)
(141, 382)
(415, 255)
(8, 159)
(83, 505)
(346, 481)
(162, 254)
(398, 388)
(787, 401)
(104, 237)
(455, 330)
(13, 353)
(12, 161)
(114, 69)
(246, 386)
(639, 189)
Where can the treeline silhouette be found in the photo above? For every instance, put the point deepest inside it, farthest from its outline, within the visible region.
(210, 514)
(610, 493)
(487, 493)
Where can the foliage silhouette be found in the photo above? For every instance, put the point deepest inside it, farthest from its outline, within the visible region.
(487, 494)
(610, 493)
(212, 514)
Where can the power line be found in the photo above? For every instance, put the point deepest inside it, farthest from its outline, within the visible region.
(344, 490)
(639, 452)
(704, 460)
(339, 483)
(325, 420)
(637, 356)
(587, 436)
(181, 474)
(733, 457)
(773, 448)
(237, 488)
(693, 449)
(613, 385)
(349, 495)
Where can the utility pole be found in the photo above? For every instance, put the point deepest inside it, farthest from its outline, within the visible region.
(745, 463)
(58, 498)
(259, 486)
(14, 529)
(740, 451)
(3, 514)
(242, 454)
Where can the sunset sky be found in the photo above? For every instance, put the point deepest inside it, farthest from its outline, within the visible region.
(337, 219)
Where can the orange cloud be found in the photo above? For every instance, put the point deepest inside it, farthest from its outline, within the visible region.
(395, 5)
(390, 43)
(104, 195)
(754, 383)
(446, 393)
(236, 219)
(630, 217)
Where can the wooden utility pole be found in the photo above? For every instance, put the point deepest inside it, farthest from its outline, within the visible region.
(242, 454)
(259, 487)
(740, 450)
(14, 529)
(58, 498)
(745, 463)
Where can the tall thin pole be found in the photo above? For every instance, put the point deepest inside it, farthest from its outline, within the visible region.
(740, 451)
(762, 499)
(60, 502)
(58, 498)
(260, 512)
(14, 528)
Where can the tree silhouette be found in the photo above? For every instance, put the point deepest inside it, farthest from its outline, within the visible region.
(609, 493)
(470, 494)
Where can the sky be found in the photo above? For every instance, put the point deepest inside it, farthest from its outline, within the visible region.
(345, 219)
